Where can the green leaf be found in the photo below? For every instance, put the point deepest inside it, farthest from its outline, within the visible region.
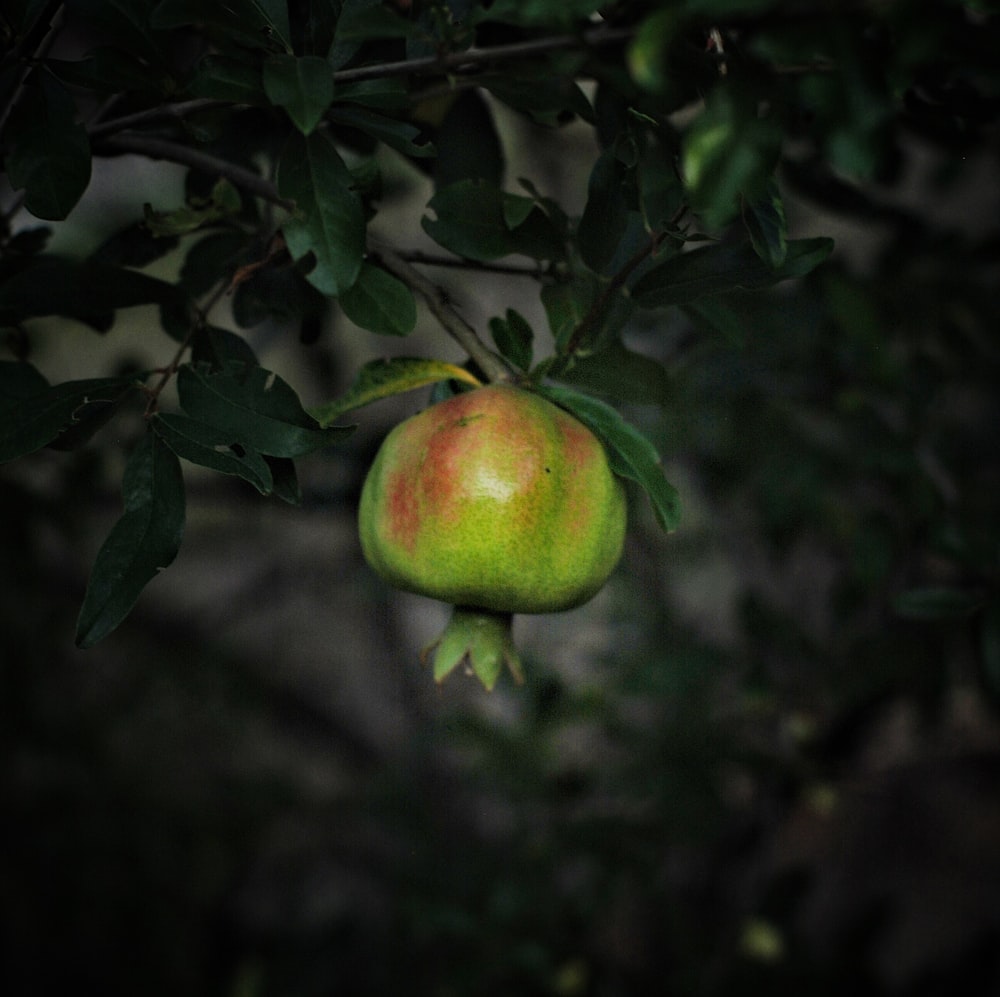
(380, 303)
(621, 374)
(513, 337)
(470, 220)
(286, 479)
(458, 158)
(254, 24)
(546, 99)
(728, 153)
(937, 602)
(48, 152)
(225, 77)
(253, 407)
(224, 202)
(34, 415)
(329, 220)
(399, 135)
(764, 218)
(718, 269)
(661, 192)
(474, 220)
(631, 455)
(605, 216)
(211, 447)
(567, 304)
(648, 54)
(89, 291)
(382, 378)
(541, 13)
(360, 23)
(145, 539)
(302, 85)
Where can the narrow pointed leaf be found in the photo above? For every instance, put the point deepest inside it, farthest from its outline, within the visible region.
(253, 407)
(631, 455)
(717, 269)
(48, 152)
(764, 219)
(211, 447)
(329, 220)
(302, 85)
(513, 337)
(145, 539)
(383, 378)
(34, 414)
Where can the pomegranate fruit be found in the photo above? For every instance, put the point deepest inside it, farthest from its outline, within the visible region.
(499, 502)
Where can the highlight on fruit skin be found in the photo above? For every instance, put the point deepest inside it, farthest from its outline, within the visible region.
(499, 502)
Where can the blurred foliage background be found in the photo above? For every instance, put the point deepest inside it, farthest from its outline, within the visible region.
(763, 760)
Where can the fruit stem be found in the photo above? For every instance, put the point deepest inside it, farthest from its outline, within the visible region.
(481, 641)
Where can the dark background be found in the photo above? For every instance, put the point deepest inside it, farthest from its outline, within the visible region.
(763, 760)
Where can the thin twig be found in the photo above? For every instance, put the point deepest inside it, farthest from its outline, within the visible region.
(157, 148)
(489, 363)
(473, 58)
(458, 263)
(175, 112)
(615, 284)
(198, 322)
(454, 63)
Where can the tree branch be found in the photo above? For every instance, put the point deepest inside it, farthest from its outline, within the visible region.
(157, 148)
(459, 263)
(474, 58)
(614, 285)
(492, 366)
(454, 63)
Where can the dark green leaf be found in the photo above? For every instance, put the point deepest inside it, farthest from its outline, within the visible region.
(211, 447)
(470, 220)
(513, 337)
(661, 193)
(88, 291)
(224, 77)
(381, 95)
(257, 24)
(541, 13)
(620, 374)
(398, 135)
(605, 216)
(720, 268)
(33, 414)
(219, 347)
(254, 407)
(302, 85)
(764, 218)
(567, 304)
(380, 303)
(547, 99)
(630, 453)
(48, 152)
(383, 378)
(361, 22)
(329, 220)
(729, 153)
(145, 539)
(286, 479)
(458, 158)
(211, 260)
(937, 602)
(224, 202)
(648, 54)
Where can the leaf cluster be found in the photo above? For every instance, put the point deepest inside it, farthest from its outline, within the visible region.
(285, 117)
